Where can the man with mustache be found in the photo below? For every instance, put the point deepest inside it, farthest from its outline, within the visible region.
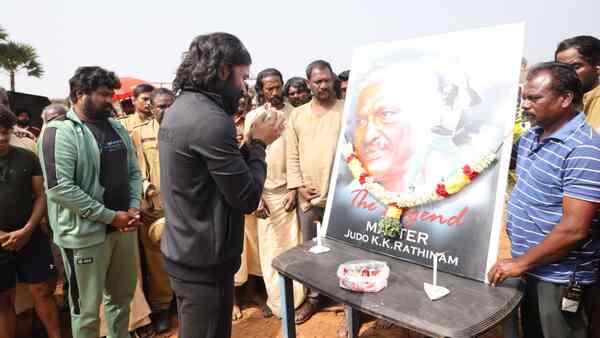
(552, 219)
(145, 141)
(296, 91)
(312, 136)
(277, 227)
(142, 106)
(24, 122)
(383, 138)
(93, 186)
(583, 53)
(160, 100)
(209, 182)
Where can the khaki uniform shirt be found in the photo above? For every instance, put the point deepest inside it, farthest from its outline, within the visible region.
(276, 160)
(132, 121)
(591, 106)
(145, 140)
(311, 146)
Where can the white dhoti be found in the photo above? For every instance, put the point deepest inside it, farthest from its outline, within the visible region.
(276, 234)
(251, 255)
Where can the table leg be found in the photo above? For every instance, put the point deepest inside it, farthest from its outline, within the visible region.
(287, 307)
(352, 321)
(510, 325)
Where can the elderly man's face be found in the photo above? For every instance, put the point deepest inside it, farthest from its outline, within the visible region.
(383, 137)
(272, 90)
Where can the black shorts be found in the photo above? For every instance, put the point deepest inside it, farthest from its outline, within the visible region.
(32, 264)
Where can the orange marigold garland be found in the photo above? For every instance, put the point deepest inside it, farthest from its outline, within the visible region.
(390, 224)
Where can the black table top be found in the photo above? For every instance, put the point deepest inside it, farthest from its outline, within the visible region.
(471, 307)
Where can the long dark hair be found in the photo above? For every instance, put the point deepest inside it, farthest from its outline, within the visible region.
(199, 69)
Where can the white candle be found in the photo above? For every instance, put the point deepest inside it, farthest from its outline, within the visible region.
(319, 242)
(435, 257)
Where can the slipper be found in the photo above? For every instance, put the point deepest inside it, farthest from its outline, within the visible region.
(383, 324)
(307, 310)
(266, 311)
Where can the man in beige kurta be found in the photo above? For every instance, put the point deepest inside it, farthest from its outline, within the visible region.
(312, 135)
(277, 225)
(250, 260)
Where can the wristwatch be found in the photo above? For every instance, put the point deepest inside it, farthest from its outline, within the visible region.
(256, 142)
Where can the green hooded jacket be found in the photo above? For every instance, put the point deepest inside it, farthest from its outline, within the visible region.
(70, 159)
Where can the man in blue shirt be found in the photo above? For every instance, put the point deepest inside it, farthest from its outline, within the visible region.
(553, 211)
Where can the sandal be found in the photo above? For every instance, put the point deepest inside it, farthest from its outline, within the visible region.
(307, 310)
(144, 332)
(266, 311)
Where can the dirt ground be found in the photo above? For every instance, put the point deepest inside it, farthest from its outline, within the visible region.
(323, 325)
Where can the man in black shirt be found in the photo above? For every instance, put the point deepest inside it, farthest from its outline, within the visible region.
(25, 251)
(113, 164)
(208, 183)
(93, 184)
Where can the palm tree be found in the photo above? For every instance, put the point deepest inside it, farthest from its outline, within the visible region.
(17, 56)
(3, 34)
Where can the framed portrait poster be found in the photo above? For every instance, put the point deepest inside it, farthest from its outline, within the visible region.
(426, 140)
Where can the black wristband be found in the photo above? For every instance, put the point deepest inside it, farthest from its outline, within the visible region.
(257, 142)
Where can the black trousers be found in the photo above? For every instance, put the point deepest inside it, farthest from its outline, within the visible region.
(204, 309)
(542, 315)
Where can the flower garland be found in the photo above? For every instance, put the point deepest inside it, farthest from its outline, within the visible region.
(390, 224)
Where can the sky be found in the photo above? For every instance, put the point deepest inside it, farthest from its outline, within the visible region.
(145, 39)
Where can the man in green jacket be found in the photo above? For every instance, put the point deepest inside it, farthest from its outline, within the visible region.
(93, 187)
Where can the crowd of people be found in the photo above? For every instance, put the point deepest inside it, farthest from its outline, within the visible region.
(176, 204)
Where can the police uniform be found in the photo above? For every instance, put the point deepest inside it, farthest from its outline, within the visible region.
(144, 138)
(132, 121)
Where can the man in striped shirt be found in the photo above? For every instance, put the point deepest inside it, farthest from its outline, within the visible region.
(553, 221)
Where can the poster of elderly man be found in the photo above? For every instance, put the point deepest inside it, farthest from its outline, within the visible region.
(424, 153)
